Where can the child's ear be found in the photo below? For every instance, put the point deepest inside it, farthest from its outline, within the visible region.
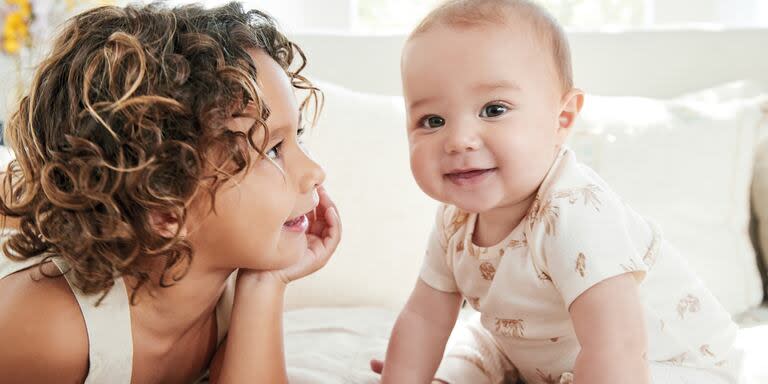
(571, 106)
(166, 224)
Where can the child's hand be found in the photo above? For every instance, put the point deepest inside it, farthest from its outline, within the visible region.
(323, 237)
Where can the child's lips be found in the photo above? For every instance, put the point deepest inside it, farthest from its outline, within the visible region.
(469, 177)
(299, 224)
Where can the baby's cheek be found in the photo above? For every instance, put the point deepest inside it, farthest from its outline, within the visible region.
(420, 167)
(522, 177)
(428, 179)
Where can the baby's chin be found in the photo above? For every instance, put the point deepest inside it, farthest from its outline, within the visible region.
(476, 203)
(466, 202)
(473, 206)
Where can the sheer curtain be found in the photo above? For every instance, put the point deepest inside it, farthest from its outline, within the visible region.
(398, 16)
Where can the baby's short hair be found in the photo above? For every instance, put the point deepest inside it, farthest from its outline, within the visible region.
(469, 13)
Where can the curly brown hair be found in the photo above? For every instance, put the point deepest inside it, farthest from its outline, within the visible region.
(126, 117)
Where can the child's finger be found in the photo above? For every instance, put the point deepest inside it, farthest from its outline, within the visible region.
(317, 223)
(325, 199)
(377, 366)
(333, 237)
(326, 205)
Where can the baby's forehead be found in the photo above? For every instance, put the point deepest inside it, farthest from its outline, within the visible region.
(506, 18)
(511, 26)
(487, 47)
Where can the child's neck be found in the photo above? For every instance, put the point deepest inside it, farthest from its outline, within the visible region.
(495, 225)
(169, 313)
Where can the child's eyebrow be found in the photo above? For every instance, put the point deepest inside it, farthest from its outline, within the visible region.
(492, 86)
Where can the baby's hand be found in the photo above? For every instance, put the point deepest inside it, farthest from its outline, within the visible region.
(378, 365)
(566, 378)
(323, 237)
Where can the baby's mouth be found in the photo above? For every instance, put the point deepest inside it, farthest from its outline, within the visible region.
(469, 176)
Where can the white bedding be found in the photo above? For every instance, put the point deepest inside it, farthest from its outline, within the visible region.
(334, 345)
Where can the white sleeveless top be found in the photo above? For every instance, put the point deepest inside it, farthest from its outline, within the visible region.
(110, 340)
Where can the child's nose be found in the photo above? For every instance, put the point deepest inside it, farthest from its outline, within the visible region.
(312, 175)
(462, 138)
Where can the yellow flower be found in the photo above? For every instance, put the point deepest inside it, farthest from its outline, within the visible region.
(11, 46)
(16, 27)
(15, 31)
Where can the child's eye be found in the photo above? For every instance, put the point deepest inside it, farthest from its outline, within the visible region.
(274, 152)
(300, 138)
(494, 110)
(432, 122)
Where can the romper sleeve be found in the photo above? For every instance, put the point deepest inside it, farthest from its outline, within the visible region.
(586, 235)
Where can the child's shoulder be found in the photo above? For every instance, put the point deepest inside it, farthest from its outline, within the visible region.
(41, 319)
(575, 195)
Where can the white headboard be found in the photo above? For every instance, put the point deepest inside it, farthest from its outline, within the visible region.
(653, 63)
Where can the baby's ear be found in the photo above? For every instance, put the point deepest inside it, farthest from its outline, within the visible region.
(571, 106)
(166, 224)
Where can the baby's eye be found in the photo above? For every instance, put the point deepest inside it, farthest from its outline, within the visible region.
(432, 122)
(494, 110)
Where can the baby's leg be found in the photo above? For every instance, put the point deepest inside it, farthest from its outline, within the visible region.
(474, 357)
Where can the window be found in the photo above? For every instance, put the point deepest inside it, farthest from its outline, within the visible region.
(398, 16)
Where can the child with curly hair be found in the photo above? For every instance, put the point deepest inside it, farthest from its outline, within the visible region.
(160, 201)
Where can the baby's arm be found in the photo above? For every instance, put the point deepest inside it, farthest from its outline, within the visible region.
(595, 251)
(420, 334)
(608, 320)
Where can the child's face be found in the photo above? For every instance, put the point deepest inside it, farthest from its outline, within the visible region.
(261, 215)
(485, 114)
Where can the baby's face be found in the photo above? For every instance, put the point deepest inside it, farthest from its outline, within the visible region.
(483, 106)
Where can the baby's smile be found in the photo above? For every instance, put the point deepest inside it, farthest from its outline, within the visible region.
(469, 177)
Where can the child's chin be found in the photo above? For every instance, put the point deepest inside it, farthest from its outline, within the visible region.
(294, 251)
(284, 260)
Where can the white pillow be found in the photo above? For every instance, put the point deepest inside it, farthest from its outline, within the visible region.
(361, 142)
(760, 198)
(685, 163)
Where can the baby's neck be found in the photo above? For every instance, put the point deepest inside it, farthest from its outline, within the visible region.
(496, 224)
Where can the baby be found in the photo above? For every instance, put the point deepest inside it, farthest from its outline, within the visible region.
(566, 276)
